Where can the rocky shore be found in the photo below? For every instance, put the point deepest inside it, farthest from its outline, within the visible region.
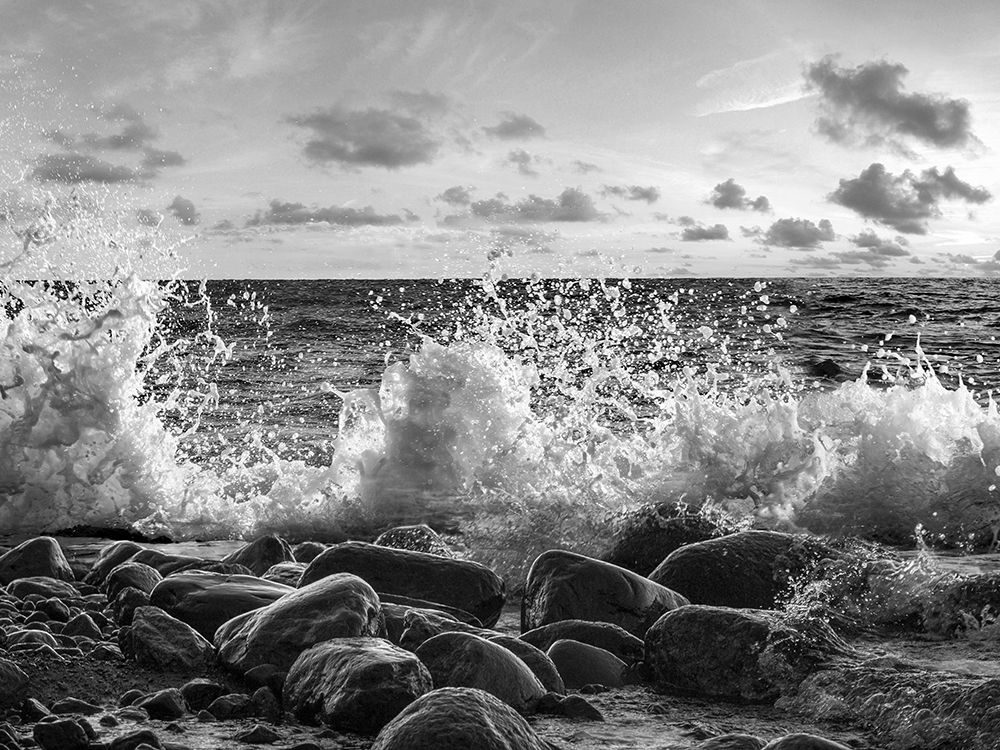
(684, 635)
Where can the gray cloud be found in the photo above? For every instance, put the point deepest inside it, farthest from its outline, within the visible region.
(800, 233)
(571, 205)
(280, 212)
(184, 211)
(366, 138)
(515, 127)
(868, 104)
(694, 232)
(907, 201)
(879, 245)
(524, 162)
(729, 194)
(76, 168)
(632, 192)
(585, 167)
(457, 195)
(503, 240)
(421, 103)
(155, 159)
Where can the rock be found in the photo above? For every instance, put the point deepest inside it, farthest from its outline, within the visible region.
(73, 705)
(129, 697)
(163, 704)
(266, 675)
(258, 734)
(206, 600)
(131, 574)
(421, 624)
(418, 538)
(466, 585)
(41, 637)
(134, 740)
(31, 710)
(108, 559)
(578, 707)
(962, 604)
(231, 706)
(604, 635)
(83, 625)
(732, 742)
(287, 573)
(158, 640)
(107, 652)
(63, 734)
(12, 680)
(264, 703)
(738, 654)
(200, 692)
(38, 557)
(164, 563)
(643, 537)
(354, 684)
(566, 586)
(581, 664)
(454, 612)
(466, 660)
(537, 661)
(129, 600)
(337, 606)
(458, 719)
(803, 741)
(261, 554)
(54, 609)
(43, 586)
(752, 569)
(306, 552)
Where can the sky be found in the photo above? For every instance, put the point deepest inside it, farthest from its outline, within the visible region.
(560, 137)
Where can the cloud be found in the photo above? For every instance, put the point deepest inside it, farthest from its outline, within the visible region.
(571, 205)
(515, 127)
(184, 211)
(585, 167)
(632, 192)
(880, 246)
(503, 241)
(904, 202)
(868, 104)
(524, 161)
(694, 232)
(729, 194)
(76, 168)
(422, 103)
(366, 138)
(456, 196)
(148, 217)
(280, 212)
(155, 159)
(800, 233)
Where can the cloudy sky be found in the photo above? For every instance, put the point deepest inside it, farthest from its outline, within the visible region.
(397, 138)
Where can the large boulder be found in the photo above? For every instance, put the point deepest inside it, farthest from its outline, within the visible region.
(158, 640)
(752, 569)
(337, 606)
(466, 660)
(420, 538)
(41, 556)
(12, 679)
(42, 586)
(537, 661)
(206, 600)
(420, 625)
(736, 654)
(354, 684)
(288, 573)
(458, 583)
(135, 574)
(604, 635)
(458, 719)
(109, 558)
(566, 586)
(581, 664)
(261, 554)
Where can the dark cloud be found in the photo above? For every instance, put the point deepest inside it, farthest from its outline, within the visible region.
(148, 217)
(280, 212)
(685, 221)
(868, 104)
(184, 211)
(515, 127)
(571, 205)
(632, 192)
(523, 161)
(880, 246)
(422, 103)
(155, 159)
(800, 233)
(585, 167)
(859, 256)
(134, 136)
(367, 138)
(988, 266)
(904, 202)
(504, 240)
(456, 196)
(698, 232)
(76, 168)
(729, 194)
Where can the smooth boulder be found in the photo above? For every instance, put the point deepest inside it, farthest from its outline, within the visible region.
(109, 558)
(288, 573)
(354, 684)
(537, 661)
(803, 741)
(457, 583)
(135, 574)
(581, 664)
(337, 606)
(261, 554)
(158, 640)
(563, 585)
(41, 556)
(604, 635)
(419, 538)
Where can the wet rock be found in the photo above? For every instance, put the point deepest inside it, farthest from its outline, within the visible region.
(537, 661)
(419, 538)
(566, 586)
(802, 741)
(454, 612)
(458, 719)
(164, 563)
(578, 707)
(107, 652)
(261, 554)
(645, 536)
(287, 573)
(258, 734)
(466, 585)
(158, 640)
(54, 610)
(63, 734)
(751, 569)
(131, 574)
(129, 697)
(732, 742)
(421, 624)
(465, 660)
(604, 635)
(43, 586)
(73, 705)
(41, 637)
(163, 704)
(83, 625)
(354, 684)
(581, 664)
(200, 692)
(207, 600)
(109, 558)
(337, 606)
(134, 740)
(231, 706)
(739, 654)
(266, 675)
(32, 710)
(265, 704)
(38, 557)
(306, 552)
(129, 600)
(12, 680)
(966, 604)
